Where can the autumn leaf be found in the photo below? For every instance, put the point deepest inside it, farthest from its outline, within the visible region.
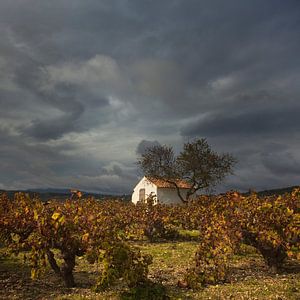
(55, 216)
(85, 237)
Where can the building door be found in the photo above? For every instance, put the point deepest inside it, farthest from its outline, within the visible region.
(142, 195)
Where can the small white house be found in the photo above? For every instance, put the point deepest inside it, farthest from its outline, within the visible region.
(165, 192)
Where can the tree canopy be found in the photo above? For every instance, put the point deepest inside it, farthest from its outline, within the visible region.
(197, 164)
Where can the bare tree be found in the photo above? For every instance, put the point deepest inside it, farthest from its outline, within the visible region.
(197, 164)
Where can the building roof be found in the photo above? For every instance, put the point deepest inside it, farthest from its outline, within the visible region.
(164, 184)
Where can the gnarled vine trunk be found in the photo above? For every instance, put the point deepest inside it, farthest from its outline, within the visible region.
(274, 256)
(66, 270)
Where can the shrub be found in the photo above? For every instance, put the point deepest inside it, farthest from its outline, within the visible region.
(121, 261)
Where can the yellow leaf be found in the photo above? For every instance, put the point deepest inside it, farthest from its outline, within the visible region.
(33, 273)
(62, 220)
(35, 215)
(55, 216)
(85, 237)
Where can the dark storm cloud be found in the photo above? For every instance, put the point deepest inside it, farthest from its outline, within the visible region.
(53, 128)
(144, 144)
(64, 165)
(282, 163)
(267, 122)
(85, 86)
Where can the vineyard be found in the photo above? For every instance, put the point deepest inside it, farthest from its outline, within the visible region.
(124, 243)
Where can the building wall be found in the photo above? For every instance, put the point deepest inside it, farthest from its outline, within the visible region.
(169, 196)
(164, 195)
(143, 184)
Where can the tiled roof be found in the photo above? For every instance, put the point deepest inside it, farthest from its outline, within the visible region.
(164, 184)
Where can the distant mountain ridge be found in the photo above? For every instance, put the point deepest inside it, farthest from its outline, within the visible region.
(62, 194)
(49, 190)
(272, 192)
(279, 191)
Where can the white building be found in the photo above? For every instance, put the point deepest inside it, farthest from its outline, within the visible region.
(165, 192)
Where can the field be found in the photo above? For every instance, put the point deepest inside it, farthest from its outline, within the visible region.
(218, 247)
(250, 278)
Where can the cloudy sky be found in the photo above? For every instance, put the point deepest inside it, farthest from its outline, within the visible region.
(86, 85)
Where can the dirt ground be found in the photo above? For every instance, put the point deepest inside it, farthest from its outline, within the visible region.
(249, 279)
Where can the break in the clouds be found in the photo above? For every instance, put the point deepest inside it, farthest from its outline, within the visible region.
(87, 86)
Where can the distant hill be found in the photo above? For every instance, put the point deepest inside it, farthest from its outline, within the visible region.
(272, 192)
(50, 190)
(62, 194)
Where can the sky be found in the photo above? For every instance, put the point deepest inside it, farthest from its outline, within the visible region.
(86, 86)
